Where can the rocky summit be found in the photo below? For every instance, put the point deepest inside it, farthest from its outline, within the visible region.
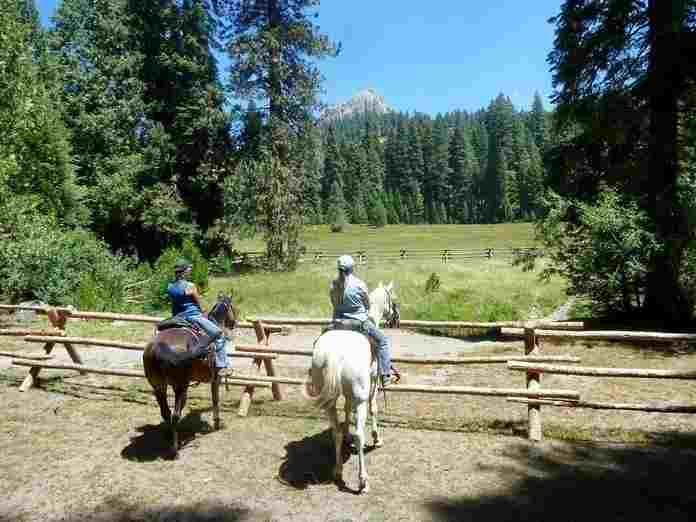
(367, 100)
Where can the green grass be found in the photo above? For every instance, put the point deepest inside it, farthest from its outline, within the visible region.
(481, 290)
(413, 237)
(478, 289)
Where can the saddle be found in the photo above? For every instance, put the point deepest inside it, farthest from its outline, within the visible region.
(174, 322)
(356, 325)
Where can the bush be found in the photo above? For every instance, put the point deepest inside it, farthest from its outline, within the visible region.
(337, 227)
(65, 268)
(163, 273)
(603, 249)
(432, 284)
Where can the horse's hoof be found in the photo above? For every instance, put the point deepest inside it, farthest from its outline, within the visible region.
(364, 488)
(172, 454)
(378, 443)
(218, 425)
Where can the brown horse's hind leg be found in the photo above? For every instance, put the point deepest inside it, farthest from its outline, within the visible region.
(179, 403)
(161, 396)
(215, 392)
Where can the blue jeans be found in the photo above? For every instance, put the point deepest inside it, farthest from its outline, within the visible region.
(382, 341)
(214, 332)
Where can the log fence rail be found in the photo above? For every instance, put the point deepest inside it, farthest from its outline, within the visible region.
(533, 363)
(363, 257)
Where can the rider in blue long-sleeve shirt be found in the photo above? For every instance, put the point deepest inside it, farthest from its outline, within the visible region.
(350, 300)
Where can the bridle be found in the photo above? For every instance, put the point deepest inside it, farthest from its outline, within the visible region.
(226, 304)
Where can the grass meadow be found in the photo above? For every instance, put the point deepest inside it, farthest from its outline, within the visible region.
(479, 289)
(411, 237)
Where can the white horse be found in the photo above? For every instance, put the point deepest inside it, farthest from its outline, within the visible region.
(341, 364)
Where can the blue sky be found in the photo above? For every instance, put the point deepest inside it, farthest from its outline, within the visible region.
(434, 57)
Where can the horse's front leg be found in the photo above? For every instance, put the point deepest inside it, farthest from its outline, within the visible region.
(376, 437)
(360, 420)
(215, 393)
(179, 403)
(338, 442)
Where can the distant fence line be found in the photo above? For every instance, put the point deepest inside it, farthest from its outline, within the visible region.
(363, 257)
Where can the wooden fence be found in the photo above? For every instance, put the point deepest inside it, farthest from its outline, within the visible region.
(533, 363)
(58, 317)
(363, 257)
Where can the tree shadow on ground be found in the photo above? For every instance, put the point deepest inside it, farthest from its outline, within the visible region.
(310, 460)
(117, 510)
(154, 440)
(552, 482)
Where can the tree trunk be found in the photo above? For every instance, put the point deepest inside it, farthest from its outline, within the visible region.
(665, 297)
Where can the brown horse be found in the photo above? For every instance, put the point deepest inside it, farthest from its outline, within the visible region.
(173, 357)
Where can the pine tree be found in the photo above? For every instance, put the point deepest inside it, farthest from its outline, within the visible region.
(480, 142)
(500, 123)
(439, 174)
(184, 96)
(336, 213)
(312, 167)
(358, 206)
(537, 123)
(623, 71)
(390, 206)
(252, 130)
(274, 47)
(35, 151)
(462, 169)
(334, 167)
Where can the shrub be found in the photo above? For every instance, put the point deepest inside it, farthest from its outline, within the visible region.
(603, 249)
(432, 284)
(65, 268)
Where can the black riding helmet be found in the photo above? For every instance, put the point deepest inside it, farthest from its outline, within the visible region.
(182, 265)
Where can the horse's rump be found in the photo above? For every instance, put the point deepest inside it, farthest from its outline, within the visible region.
(170, 350)
(341, 363)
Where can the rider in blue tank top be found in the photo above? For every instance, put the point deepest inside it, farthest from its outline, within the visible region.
(187, 305)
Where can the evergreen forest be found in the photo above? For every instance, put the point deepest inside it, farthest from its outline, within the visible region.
(124, 145)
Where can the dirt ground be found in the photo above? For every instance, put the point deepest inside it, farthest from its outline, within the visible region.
(84, 448)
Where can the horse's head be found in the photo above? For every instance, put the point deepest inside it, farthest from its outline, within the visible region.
(224, 312)
(383, 305)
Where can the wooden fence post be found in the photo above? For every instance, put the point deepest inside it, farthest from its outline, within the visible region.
(31, 378)
(57, 318)
(263, 335)
(533, 383)
(402, 255)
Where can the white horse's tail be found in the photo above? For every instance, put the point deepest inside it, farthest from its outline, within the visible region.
(324, 384)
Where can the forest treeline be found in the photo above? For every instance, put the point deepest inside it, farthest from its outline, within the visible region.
(458, 167)
(121, 146)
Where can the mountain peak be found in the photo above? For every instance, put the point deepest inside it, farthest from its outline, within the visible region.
(365, 100)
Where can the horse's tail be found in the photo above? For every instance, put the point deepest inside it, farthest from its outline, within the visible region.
(172, 358)
(324, 384)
